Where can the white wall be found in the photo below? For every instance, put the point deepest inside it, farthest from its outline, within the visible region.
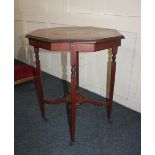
(123, 15)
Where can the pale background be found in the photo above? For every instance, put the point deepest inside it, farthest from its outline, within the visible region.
(123, 15)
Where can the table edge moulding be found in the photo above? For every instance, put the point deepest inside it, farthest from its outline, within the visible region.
(75, 40)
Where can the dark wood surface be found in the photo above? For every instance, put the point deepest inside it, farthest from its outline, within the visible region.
(75, 34)
(75, 40)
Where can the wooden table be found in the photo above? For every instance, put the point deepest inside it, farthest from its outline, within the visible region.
(75, 40)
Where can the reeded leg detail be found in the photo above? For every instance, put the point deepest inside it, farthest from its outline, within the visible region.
(112, 82)
(39, 83)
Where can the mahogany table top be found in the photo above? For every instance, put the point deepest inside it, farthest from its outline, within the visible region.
(75, 34)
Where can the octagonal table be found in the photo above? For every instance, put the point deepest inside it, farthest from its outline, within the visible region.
(75, 40)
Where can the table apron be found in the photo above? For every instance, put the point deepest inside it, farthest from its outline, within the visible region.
(80, 47)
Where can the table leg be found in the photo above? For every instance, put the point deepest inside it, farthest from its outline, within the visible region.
(77, 69)
(39, 83)
(112, 82)
(73, 54)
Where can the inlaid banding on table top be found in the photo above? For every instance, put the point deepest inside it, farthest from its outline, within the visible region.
(75, 34)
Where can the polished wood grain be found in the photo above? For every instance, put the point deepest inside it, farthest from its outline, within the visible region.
(80, 47)
(39, 82)
(112, 82)
(75, 34)
(73, 59)
(75, 40)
